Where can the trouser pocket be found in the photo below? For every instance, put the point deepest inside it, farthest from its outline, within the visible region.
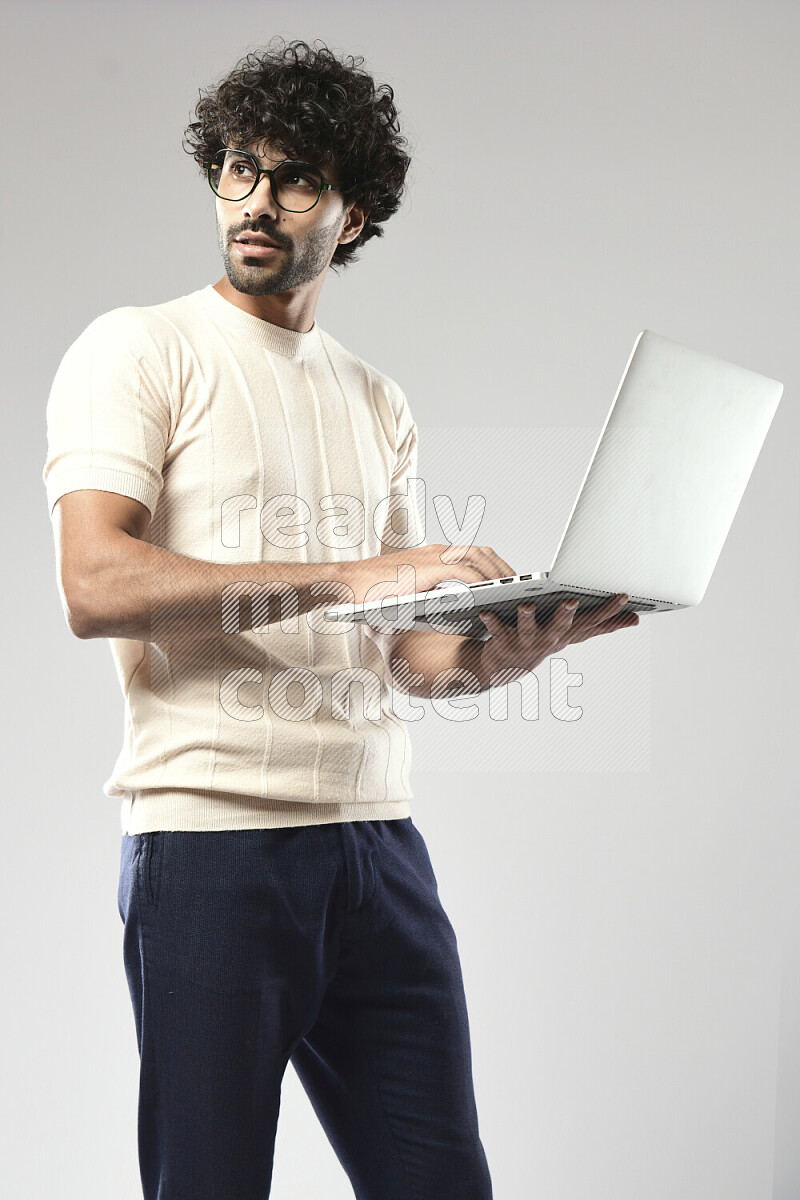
(150, 856)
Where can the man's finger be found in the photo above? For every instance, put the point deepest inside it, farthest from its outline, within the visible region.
(498, 567)
(609, 608)
(620, 621)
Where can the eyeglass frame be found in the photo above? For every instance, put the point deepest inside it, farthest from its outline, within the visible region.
(324, 185)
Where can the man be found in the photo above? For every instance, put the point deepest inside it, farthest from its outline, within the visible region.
(278, 902)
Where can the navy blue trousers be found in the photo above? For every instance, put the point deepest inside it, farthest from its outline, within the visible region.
(326, 945)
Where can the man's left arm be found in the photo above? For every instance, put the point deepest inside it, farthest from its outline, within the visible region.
(415, 658)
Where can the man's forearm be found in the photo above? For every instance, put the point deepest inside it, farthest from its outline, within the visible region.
(147, 593)
(419, 660)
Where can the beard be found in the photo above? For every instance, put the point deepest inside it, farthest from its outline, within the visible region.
(289, 268)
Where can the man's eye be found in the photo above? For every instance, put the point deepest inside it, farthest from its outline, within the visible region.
(297, 178)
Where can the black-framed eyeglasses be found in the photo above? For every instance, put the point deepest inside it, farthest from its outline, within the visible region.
(296, 186)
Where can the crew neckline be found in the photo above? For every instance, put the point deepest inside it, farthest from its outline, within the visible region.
(289, 342)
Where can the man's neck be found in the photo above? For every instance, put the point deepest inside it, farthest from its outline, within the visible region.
(285, 309)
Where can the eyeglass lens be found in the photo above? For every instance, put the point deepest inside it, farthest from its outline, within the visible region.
(294, 188)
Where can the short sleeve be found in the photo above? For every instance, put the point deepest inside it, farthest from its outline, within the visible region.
(407, 490)
(109, 413)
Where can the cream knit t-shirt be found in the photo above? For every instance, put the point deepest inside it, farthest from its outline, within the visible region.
(248, 443)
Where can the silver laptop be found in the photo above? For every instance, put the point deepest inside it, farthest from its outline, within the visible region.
(651, 517)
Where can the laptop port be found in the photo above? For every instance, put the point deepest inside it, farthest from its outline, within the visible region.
(509, 580)
(526, 577)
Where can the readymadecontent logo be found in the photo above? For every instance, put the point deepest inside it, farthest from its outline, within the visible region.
(298, 694)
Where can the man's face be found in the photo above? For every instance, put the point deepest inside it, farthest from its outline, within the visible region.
(306, 241)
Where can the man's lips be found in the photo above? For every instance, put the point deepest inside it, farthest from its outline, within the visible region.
(255, 250)
(257, 239)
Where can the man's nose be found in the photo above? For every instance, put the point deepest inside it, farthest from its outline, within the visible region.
(261, 200)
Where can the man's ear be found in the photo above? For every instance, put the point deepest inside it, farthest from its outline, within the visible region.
(355, 221)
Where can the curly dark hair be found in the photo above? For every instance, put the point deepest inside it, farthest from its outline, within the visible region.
(311, 105)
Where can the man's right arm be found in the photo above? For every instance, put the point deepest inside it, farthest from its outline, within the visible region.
(115, 585)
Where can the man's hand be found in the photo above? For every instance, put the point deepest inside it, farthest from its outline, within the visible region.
(510, 652)
(422, 569)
